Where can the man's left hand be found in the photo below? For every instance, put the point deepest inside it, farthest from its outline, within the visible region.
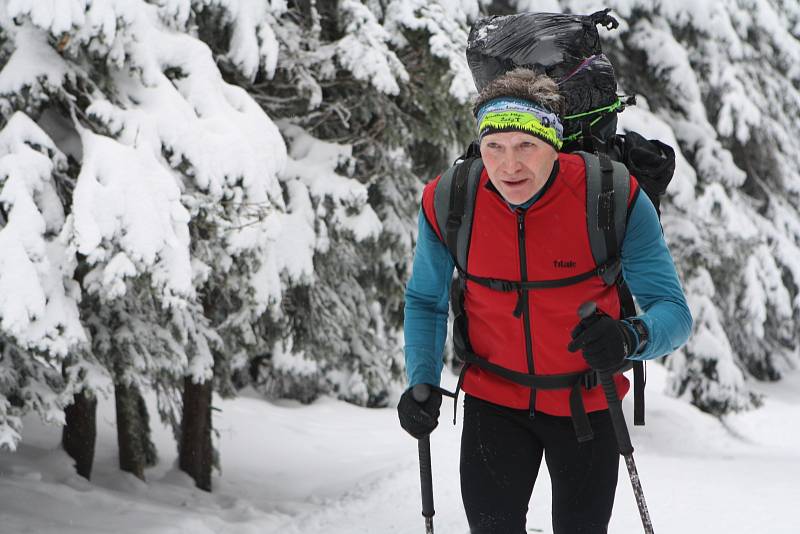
(605, 342)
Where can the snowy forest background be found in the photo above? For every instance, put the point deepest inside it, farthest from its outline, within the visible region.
(199, 196)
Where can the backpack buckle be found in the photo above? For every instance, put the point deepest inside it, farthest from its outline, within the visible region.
(610, 272)
(590, 379)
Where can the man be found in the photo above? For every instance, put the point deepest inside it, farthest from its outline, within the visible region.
(530, 223)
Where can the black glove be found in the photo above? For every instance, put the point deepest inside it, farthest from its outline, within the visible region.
(605, 342)
(419, 419)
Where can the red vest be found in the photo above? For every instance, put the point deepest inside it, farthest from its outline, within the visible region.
(556, 246)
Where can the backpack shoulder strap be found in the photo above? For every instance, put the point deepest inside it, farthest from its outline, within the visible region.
(454, 202)
(608, 188)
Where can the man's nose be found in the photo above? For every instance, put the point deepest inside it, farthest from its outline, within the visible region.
(512, 161)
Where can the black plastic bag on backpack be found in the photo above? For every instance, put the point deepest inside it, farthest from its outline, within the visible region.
(551, 42)
(590, 85)
(565, 47)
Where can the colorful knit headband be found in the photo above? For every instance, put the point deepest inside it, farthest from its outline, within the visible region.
(517, 115)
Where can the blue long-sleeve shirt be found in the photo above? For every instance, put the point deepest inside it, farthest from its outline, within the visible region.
(647, 267)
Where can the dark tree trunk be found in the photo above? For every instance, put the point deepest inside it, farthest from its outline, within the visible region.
(196, 451)
(80, 432)
(136, 451)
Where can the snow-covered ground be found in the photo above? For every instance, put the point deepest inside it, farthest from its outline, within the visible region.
(339, 469)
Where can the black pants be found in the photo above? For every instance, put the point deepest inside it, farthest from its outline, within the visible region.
(501, 450)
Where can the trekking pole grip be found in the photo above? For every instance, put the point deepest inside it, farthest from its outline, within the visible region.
(586, 310)
(420, 393)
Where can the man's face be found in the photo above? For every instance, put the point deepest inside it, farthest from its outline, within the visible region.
(518, 164)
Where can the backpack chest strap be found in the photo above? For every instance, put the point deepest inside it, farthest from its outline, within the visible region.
(498, 284)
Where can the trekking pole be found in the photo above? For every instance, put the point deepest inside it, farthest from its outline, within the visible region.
(421, 392)
(587, 309)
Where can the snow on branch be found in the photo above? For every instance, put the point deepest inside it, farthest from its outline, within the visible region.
(445, 23)
(38, 299)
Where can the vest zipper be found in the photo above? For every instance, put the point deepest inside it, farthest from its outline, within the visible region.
(523, 296)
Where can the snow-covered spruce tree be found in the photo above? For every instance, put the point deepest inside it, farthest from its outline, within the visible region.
(372, 98)
(63, 86)
(40, 320)
(172, 191)
(720, 80)
(39, 323)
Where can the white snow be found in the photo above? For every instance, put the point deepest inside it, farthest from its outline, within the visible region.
(335, 468)
(33, 59)
(315, 163)
(445, 23)
(37, 293)
(364, 51)
(141, 202)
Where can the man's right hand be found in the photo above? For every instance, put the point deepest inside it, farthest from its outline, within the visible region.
(419, 419)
